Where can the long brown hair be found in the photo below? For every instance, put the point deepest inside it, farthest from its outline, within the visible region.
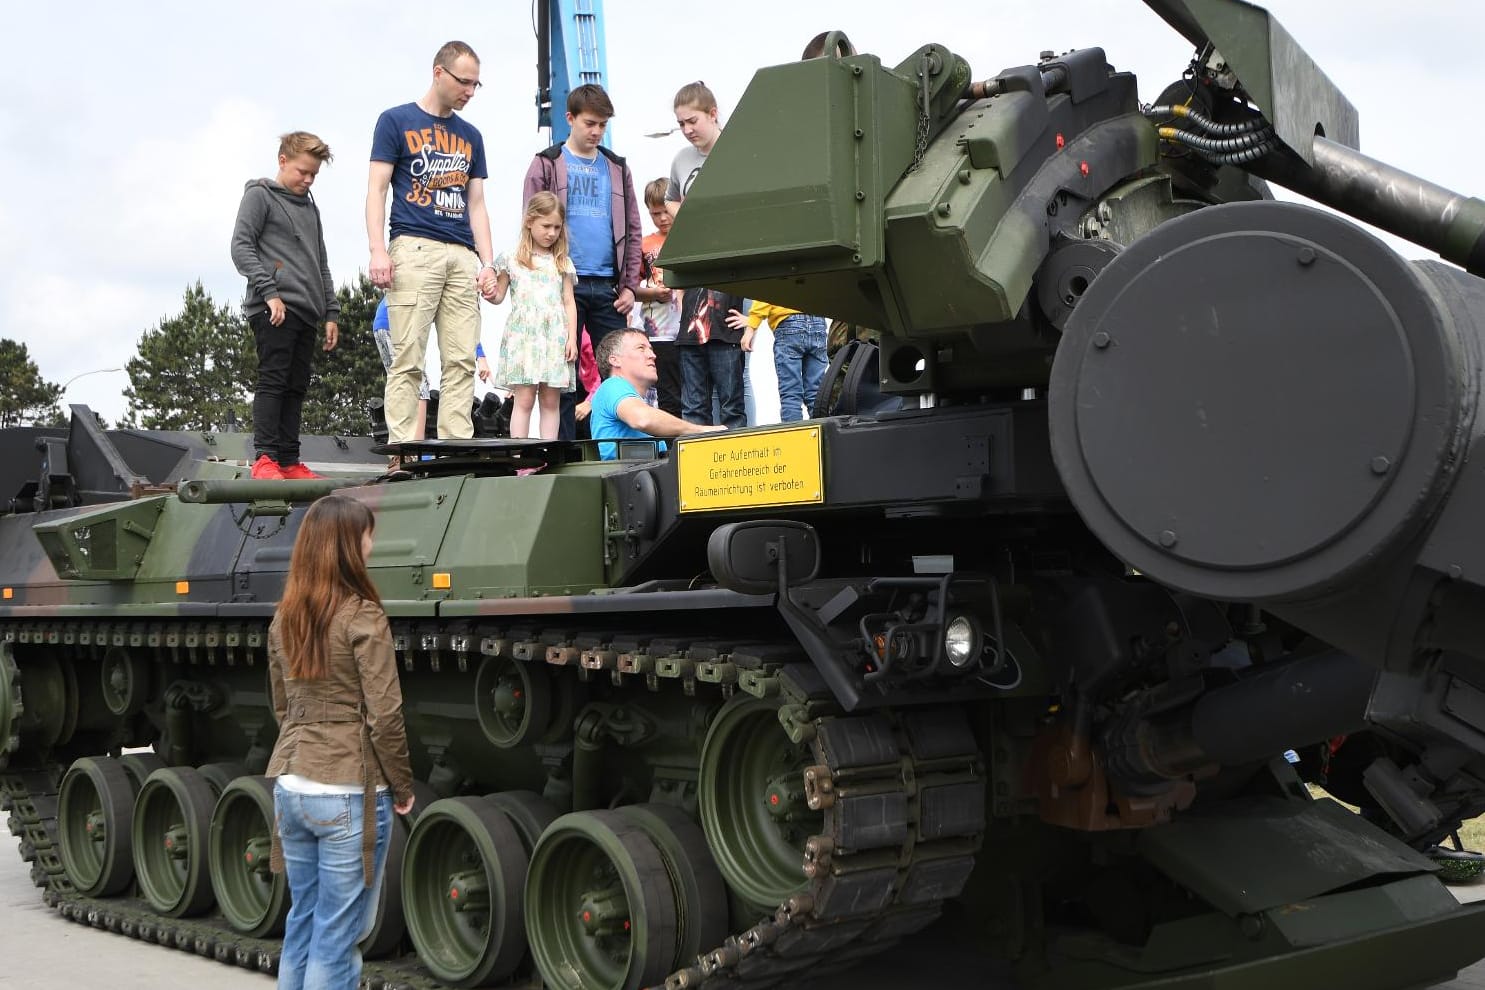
(542, 205)
(326, 569)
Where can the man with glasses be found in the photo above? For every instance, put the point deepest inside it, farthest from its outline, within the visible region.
(433, 162)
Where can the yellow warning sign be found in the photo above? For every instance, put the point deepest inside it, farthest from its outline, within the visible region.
(750, 470)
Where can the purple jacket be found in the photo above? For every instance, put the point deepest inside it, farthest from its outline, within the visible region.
(548, 173)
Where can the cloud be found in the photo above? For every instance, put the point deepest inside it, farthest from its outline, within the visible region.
(70, 326)
(172, 192)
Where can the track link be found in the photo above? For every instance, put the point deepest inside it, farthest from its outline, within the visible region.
(903, 797)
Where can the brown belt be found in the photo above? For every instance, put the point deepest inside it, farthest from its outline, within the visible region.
(322, 710)
(312, 710)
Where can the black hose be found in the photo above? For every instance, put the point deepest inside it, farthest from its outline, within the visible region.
(1206, 123)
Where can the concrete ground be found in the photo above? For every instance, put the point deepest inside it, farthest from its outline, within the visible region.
(40, 950)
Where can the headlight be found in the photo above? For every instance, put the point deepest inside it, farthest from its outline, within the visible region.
(961, 641)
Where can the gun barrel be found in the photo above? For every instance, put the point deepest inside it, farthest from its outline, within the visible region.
(1398, 202)
(248, 490)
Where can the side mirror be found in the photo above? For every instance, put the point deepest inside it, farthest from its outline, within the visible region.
(763, 556)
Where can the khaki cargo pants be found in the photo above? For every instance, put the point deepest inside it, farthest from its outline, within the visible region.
(432, 282)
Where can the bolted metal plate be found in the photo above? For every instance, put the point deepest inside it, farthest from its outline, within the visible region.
(1251, 401)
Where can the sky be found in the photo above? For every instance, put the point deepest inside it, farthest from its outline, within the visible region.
(130, 129)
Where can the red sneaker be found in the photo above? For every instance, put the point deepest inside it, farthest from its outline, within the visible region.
(298, 472)
(266, 468)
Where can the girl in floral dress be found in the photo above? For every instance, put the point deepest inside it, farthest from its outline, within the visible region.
(539, 345)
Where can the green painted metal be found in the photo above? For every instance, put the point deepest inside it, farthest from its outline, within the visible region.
(253, 899)
(1268, 859)
(915, 192)
(170, 832)
(95, 810)
(105, 544)
(852, 124)
(539, 535)
(757, 844)
(598, 908)
(248, 490)
(462, 878)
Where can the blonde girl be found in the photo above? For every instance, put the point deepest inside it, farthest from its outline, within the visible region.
(539, 344)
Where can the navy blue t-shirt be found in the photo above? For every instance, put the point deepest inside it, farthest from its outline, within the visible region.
(433, 159)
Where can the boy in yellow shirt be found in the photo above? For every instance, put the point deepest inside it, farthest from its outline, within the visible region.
(799, 356)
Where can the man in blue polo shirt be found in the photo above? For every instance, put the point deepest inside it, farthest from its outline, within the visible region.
(627, 362)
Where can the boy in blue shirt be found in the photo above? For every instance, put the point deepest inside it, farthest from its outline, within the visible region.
(603, 228)
(627, 362)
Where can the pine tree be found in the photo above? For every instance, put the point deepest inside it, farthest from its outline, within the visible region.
(26, 399)
(193, 370)
(348, 377)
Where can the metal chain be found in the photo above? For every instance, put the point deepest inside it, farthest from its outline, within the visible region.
(920, 145)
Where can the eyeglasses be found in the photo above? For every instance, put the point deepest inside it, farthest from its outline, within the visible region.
(471, 83)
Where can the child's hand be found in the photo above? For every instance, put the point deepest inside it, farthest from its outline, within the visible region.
(570, 352)
(482, 368)
(582, 409)
(747, 338)
(736, 320)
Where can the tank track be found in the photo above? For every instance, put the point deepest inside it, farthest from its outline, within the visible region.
(902, 796)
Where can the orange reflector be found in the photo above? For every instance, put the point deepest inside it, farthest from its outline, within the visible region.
(182, 587)
(441, 581)
(9, 593)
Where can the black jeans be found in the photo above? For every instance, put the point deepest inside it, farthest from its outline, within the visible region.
(285, 360)
(597, 318)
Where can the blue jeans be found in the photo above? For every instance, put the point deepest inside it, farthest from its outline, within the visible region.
(707, 366)
(800, 360)
(332, 908)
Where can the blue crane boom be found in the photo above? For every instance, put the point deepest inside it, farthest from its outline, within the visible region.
(570, 53)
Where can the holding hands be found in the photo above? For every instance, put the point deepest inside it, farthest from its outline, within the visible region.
(487, 281)
(493, 283)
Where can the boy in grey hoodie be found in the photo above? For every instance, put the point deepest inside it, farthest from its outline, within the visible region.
(278, 245)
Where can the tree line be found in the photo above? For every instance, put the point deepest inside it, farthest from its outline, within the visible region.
(195, 371)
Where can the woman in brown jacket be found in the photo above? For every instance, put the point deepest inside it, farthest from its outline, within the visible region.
(341, 759)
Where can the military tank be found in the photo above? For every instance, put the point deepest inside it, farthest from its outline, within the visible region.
(1150, 480)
